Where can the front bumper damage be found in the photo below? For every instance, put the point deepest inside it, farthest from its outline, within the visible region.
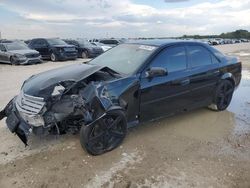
(88, 104)
(14, 122)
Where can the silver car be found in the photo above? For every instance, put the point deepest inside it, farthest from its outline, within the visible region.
(18, 53)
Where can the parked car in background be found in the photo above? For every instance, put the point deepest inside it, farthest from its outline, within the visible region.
(206, 41)
(85, 48)
(127, 85)
(237, 41)
(53, 48)
(110, 42)
(103, 46)
(214, 42)
(228, 41)
(18, 53)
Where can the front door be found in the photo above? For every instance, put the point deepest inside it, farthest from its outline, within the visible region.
(3, 54)
(163, 95)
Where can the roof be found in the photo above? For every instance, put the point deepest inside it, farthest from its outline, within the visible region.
(161, 42)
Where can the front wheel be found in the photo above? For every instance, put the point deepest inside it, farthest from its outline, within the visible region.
(12, 61)
(84, 54)
(104, 135)
(223, 95)
(53, 57)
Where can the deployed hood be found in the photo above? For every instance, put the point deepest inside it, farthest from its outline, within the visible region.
(23, 52)
(37, 84)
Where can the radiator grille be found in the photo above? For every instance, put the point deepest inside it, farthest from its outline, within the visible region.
(29, 104)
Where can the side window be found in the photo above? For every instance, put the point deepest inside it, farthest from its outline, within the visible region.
(42, 43)
(39, 43)
(198, 56)
(75, 44)
(34, 43)
(2, 48)
(173, 59)
(115, 42)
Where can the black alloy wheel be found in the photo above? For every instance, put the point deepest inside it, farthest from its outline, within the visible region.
(104, 135)
(224, 94)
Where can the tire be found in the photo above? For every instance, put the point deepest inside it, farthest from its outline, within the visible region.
(53, 57)
(104, 135)
(12, 61)
(223, 95)
(84, 55)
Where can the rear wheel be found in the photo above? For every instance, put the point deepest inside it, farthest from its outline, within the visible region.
(223, 95)
(104, 135)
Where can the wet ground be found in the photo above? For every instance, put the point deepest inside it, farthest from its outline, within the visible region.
(201, 148)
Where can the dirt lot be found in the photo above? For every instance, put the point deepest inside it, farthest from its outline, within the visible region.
(201, 148)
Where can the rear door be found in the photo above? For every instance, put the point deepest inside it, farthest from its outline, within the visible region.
(167, 94)
(205, 74)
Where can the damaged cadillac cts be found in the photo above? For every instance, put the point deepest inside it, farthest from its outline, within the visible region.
(132, 83)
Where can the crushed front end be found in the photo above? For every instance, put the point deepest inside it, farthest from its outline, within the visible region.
(64, 101)
(65, 113)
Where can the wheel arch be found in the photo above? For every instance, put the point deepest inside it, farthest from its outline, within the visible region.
(228, 76)
(52, 50)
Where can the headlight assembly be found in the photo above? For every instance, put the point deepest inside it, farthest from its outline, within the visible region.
(57, 90)
(20, 57)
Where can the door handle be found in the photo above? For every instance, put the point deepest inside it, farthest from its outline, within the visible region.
(215, 72)
(184, 82)
(181, 82)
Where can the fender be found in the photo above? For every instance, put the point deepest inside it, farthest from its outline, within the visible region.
(105, 113)
(228, 76)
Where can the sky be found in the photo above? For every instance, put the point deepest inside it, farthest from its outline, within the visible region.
(26, 19)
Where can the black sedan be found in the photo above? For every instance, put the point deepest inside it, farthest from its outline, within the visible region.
(85, 49)
(54, 49)
(18, 53)
(129, 84)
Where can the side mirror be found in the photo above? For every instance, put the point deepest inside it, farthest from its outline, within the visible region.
(155, 72)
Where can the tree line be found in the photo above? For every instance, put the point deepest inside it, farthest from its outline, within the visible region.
(238, 34)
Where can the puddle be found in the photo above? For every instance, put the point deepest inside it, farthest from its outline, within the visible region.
(240, 105)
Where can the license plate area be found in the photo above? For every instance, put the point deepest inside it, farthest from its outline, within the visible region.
(12, 122)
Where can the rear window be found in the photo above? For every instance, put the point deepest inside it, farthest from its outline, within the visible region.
(198, 56)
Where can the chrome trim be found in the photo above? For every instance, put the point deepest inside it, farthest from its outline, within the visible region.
(28, 104)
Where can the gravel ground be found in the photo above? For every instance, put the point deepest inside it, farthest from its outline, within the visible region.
(201, 148)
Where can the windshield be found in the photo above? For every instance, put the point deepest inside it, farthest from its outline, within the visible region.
(84, 43)
(56, 42)
(125, 58)
(16, 46)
